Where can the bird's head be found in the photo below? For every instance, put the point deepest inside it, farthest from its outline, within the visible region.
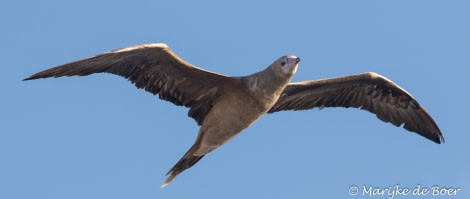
(286, 65)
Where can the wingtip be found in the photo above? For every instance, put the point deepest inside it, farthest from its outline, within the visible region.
(438, 139)
(441, 140)
(33, 77)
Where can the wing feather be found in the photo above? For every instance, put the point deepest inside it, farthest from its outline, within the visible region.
(156, 69)
(367, 91)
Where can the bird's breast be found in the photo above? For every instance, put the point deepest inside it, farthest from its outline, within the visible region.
(228, 118)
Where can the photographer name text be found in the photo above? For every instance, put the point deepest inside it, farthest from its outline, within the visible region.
(397, 190)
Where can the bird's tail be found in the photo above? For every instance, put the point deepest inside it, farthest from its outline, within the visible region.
(187, 161)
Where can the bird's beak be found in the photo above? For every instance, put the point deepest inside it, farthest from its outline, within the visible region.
(297, 60)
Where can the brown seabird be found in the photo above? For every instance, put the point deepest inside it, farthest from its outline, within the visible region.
(224, 106)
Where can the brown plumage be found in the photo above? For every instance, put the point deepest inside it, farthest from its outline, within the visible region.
(224, 106)
(367, 91)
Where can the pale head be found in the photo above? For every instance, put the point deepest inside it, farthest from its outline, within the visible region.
(288, 64)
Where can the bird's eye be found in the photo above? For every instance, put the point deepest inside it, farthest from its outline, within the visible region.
(283, 63)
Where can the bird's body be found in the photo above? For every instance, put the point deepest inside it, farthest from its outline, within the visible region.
(242, 105)
(224, 106)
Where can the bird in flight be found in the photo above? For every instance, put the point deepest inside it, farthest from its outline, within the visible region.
(223, 106)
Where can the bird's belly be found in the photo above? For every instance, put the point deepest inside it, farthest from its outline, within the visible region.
(224, 123)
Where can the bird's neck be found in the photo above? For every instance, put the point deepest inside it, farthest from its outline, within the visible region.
(267, 86)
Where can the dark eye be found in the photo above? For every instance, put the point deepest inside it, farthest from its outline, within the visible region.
(283, 63)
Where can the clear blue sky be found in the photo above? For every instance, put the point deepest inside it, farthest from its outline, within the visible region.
(100, 137)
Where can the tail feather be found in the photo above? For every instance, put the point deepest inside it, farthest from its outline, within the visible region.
(187, 161)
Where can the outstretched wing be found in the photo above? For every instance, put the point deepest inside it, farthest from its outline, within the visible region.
(368, 91)
(158, 70)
